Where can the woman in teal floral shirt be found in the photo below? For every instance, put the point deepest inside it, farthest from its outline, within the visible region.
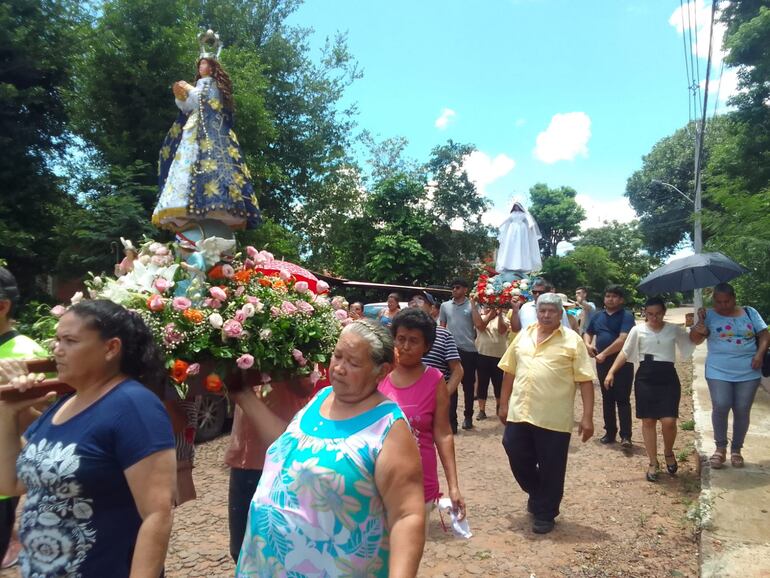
(341, 490)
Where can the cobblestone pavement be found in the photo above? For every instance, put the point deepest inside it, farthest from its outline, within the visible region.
(613, 522)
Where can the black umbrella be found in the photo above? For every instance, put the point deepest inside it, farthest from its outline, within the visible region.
(692, 272)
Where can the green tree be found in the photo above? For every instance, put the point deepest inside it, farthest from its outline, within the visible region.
(557, 214)
(665, 216)
(625, 247)
(38, 46)
(595, 268)
(563, 273)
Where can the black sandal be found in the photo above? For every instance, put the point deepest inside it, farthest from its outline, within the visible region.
(652, 476)
(672, 468)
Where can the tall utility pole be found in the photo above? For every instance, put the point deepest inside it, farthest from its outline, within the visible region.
(700, 129)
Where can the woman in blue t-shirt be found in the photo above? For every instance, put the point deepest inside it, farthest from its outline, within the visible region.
(98, 466)
(737, 342)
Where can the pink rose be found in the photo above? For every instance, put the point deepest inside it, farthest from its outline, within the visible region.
(58, 310)
(171, 335)
(163, 285)
(299, 357)
(321, 300)
(266, 255)
(212, 303)
(162, 251)
(245, 361)
(158, 260)
(284, 275)
(194, 369)
(304, 307)
(275, 312)
(251, 252)
(240, 290)
(154, 247)
(301, 287)
(341, 314)
(228, 271)
(322, 287)
(218, 293)
(288, 308)
(156, 303)
(181, 303)
(248, 264)
(251, 299)
(240, 316)
(232, 328)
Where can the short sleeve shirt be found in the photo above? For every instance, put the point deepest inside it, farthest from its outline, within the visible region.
(544, 377)
(732, 343)
(607, 327)
(459, 322)
(442, 352)
(80, 518)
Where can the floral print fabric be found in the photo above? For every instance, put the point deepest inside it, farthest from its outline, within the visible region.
(317, 511)
(732, 343)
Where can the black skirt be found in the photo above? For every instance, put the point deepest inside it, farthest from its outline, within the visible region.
(657, 390)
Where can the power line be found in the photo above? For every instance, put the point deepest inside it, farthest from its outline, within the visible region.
(686, 63)
(693, 60)
(719, 86)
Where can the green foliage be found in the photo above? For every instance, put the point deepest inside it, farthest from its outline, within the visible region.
(595, 268)
(563, 273)
(557, 214)
(38, 45)
(625, 248)
(274, 238)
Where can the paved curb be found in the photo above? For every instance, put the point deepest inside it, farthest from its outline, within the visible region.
(734, 506)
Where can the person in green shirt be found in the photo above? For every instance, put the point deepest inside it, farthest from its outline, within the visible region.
(13, 345)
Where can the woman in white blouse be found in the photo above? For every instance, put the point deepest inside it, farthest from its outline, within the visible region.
(656, 386)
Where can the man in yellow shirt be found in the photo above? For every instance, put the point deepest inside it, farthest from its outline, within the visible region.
(542, 366)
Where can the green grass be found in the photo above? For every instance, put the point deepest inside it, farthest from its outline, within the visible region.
(688, 425)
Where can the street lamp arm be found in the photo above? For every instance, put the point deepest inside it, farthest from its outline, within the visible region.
(670, 186)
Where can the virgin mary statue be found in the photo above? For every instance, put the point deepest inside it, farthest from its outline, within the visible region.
(518, 236)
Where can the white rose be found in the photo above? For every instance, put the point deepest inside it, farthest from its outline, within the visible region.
(523, 285)
(248, 310)
(506, 284)
(490, 291)
(516, 292)
(216, 321)
(77, 298)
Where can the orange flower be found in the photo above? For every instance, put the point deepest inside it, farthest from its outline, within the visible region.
(214, 383)
(243, 276)
(179, 371)
(279, 284)
(193, 315)
(265, 282)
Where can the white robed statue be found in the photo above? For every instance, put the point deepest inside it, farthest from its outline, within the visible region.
(518, 236)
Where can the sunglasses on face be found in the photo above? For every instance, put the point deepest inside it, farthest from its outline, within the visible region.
(537, 292)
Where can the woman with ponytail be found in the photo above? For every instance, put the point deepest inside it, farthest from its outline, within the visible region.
(98, 466)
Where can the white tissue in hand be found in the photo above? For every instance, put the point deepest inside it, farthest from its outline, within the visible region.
(460, 528)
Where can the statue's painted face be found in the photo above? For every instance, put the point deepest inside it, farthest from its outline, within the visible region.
(204, 68)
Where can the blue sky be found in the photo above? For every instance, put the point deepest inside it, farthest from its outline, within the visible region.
(566, 92)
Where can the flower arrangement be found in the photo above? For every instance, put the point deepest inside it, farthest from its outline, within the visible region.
(238, 317)
(496, 292)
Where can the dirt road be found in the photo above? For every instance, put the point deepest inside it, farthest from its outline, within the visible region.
(613, 522)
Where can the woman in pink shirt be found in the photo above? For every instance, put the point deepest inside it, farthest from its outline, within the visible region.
(421, 392)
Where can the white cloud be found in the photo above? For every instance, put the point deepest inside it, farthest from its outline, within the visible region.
(726, 87)
(445, 118)
(484, 170)
(565, 138)
(695, 16)
(598, 213)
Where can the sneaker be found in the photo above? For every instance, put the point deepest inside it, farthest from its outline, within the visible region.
(542, 526)
(607, 439)
(482, 415)
(626, 443)
(467, 423)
